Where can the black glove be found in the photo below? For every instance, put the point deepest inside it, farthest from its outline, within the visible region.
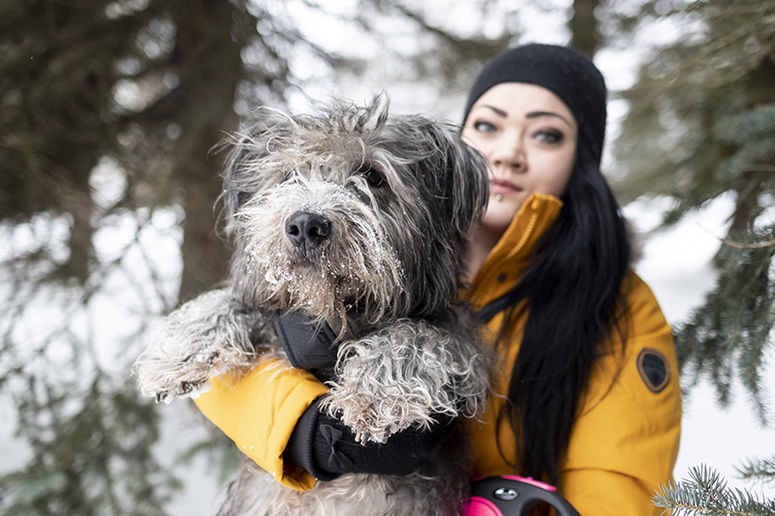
(326, 448)
(308, 344)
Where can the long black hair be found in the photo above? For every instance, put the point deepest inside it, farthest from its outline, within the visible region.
(574, 294)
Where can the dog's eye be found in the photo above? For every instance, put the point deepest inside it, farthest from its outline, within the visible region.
(373, 177)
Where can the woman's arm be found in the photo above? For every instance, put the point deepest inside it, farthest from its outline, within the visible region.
(272, 414)
(259, 412)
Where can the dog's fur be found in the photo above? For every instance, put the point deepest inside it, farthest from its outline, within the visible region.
(397, 199)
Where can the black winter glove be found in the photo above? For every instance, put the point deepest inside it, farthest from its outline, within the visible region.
(308, 344)
(322, 444)
(326, 448)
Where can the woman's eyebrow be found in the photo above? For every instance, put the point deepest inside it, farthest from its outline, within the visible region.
(497, 111)
(539, 114)
(533, 114)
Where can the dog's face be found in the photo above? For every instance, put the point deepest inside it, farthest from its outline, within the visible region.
(350, 211)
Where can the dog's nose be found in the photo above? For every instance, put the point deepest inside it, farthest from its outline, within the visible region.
(307, 230)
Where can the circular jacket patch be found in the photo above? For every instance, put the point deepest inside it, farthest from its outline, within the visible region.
(653, 369)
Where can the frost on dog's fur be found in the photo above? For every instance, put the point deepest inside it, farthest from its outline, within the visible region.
(358, 220)
(362, 267)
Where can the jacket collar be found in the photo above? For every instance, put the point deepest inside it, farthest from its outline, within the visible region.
(503, 267)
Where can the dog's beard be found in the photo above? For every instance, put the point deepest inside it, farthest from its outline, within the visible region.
(355, 268)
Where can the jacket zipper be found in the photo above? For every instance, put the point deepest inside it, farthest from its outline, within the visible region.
(517, 248)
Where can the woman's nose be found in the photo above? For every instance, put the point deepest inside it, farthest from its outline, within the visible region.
(508, 154)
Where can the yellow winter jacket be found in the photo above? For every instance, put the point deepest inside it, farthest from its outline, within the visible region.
(625, 440)
(260, 412)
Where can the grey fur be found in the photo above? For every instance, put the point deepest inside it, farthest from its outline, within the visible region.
(398, 198)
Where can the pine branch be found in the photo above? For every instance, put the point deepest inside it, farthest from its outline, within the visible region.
(707, 493)
(741, 245)
(763, 470)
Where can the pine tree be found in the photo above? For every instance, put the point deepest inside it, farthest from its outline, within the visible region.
(702, 125)
(134, 94)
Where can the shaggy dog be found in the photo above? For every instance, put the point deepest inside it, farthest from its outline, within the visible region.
(358, 221)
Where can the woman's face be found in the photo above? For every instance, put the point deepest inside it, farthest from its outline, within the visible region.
(529, 137)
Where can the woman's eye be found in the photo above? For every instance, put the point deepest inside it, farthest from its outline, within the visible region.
(484, 127)
(549, 136)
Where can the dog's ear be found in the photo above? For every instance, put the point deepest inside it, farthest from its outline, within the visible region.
(468, 185)
(455, 178)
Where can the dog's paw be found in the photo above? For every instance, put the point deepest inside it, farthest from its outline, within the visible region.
(190, 389)
(375, 418)
(165, 380)
(206, 337)
(362, 422)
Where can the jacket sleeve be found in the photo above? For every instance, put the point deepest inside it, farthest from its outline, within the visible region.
(259, 412)
(624, 443)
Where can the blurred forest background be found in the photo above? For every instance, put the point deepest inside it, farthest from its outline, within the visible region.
(109, 114)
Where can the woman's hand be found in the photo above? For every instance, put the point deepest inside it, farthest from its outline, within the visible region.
(326, 448)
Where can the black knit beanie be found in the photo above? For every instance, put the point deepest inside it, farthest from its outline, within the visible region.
(566, 72)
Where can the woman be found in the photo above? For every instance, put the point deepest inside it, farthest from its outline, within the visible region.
(590, 398)
(593, 398)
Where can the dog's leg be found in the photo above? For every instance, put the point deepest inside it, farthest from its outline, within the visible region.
(401, 376)
(204, 338)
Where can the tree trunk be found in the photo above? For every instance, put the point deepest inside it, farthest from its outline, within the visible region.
(209, 67)
(585, 35)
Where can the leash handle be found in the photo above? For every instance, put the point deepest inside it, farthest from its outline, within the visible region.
(509, 495)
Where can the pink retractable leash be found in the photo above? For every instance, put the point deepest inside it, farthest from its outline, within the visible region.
(513, 496)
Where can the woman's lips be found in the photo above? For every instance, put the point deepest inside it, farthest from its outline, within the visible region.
(503, 187)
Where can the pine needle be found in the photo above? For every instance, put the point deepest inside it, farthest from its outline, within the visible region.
(707, 493)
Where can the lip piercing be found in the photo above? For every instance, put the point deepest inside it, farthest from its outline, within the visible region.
(498, 197)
